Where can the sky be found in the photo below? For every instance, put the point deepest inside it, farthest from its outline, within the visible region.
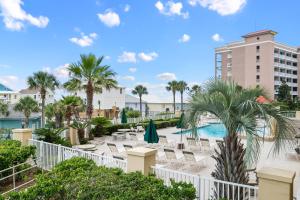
(146, 42)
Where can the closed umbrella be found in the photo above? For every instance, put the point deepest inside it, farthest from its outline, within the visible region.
(181, 125)
(123, 117)
(151, 134)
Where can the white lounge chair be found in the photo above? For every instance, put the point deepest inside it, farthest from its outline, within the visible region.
(140, 129)
(114, 150)
(127, 147)
(205, 144)
(173, 162)
(164, 141)
(193, 144)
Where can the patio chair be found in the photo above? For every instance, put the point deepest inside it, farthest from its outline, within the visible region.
(192, 144)
(127, 147)
(205, 144)
(163, 141)
(193, 164)
(134, 137)
(140, 129)
(173, 162)
(114, 150)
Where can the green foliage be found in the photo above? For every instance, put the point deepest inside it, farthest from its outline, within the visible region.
(4, 109)
(284, 92)
(27, 105)
(133, 114)
(13, 153)
(52, 136)
(100, 123)
(5, 133)
(80, 126)
(81, 179)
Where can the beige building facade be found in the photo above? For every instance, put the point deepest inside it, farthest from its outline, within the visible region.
(259, 60)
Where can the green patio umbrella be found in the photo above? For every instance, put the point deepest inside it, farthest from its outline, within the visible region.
(151, 134)
(123, 117)
(181, 125)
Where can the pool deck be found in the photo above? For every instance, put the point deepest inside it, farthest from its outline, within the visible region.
(266, 159)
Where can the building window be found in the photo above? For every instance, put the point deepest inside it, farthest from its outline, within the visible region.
(34, 96)
(257, 48)
(288, 63)
(121, 91)
(282, 53)
(295, 80)
(257, 78)
(295, 64)
(257, 68)
(15, 96)
(257, 58)
(288, 54)
(295, 72)
(294, 55)
(276, 50)
(276, 60)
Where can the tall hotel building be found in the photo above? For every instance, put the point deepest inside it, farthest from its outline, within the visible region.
(259, 60)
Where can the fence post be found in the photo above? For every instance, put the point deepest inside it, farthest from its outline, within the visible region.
(14, 177)
(275, 184)
(141, 159)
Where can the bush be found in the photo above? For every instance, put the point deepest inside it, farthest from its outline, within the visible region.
(79, 178)
(12, 153)
(100, 123)
(133, 114)
(52, 136)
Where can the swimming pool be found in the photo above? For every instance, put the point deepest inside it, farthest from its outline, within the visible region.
(217, 130)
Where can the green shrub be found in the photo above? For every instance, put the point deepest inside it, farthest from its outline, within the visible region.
(81, 179)
(52, 136)
(100, 123)
(133, 114)
(12, 153)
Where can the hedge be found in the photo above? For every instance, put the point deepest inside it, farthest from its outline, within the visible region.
(80, 178)
(13, 153)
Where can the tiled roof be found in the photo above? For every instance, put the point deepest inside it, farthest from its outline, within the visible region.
(29, 91)
(261, 32)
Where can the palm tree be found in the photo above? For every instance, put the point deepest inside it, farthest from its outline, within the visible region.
(55, 110)
(72, 105)
(195, 89)
(140, 91)
(238, 109)
(172, 86)
(4, 108)
(181, 87)
(27, 105)
(42, 81)
(88, 74)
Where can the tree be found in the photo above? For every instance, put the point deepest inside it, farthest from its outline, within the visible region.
(140, 91)
(238, 109)
(173, 86)
(27, 105)
(4, 109)
(195, 89)
(55, 110)
(284, 92)
(181, 87)
(89, 75)
(43, 81)
(72, 105)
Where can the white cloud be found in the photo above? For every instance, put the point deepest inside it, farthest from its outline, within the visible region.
(127, 8)
(171, 8)
(109, 18)
(128, 78)
(127, 57)
(184, 38)
(167, 76)
(62, 71)
(132, 69)
(222, 7)
(216, 37)
(13, 82)
(84, 40)
(147, 57)
(107, 57)
(14, 17)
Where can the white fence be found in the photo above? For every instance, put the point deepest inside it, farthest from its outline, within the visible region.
(49, 155)
(156, 117)
(209, 188)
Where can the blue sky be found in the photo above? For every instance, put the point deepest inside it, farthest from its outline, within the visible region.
(144, 41)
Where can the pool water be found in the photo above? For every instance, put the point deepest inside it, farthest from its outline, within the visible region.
(217, 130)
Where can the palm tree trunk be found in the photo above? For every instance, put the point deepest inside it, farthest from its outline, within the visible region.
(43, 97)
(174, 103)
(89, 106)
(181, 96)
(26, 121)
(230, 165)
(141, 105)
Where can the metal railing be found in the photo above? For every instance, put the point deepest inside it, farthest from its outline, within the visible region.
(13, 173)
(51, 154)
(209, 188)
